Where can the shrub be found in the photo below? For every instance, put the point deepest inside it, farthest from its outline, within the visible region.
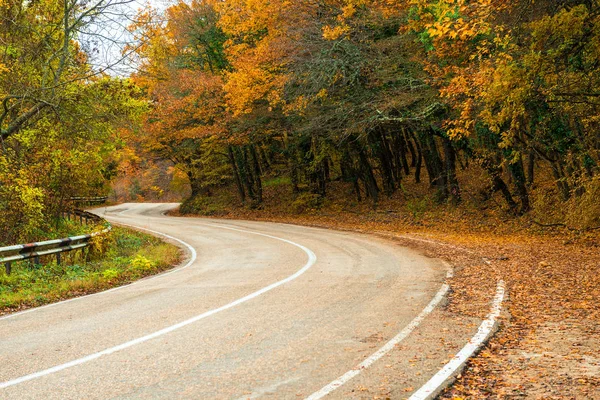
(141, 263)
(307, 202)
(110, 274)
(583, 211)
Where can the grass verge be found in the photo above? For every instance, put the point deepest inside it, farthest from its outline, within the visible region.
(114, 260)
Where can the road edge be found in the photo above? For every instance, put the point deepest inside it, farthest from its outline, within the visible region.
(446, 376)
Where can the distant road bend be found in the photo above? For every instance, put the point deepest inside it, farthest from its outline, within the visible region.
(265, 310)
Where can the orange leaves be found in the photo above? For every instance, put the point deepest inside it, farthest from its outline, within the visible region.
(260, 46)
(187, 105)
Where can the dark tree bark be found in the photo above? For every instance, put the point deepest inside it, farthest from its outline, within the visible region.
(379, 149)
(435, 167)
(349, 173)
(403, 145)
(450, 163)
(414, 157)
(367, 175)
(531, 168)
(418, 160)
(498, 184)
(561, 181)
(518, 173)
(246, 174)
(257, 174)
(236, 174)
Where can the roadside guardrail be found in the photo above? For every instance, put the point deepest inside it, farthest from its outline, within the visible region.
(18, 252)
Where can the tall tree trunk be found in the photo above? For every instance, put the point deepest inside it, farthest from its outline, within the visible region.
(498, 184)
(419, 158)
(530, 168)
(264, 159)
(450, 163)
(408, 137)
(403, 145)
(437, 178)
(517, 171)
(560, 179)
(257, 174)
(371, 187)
(292, 160)
(391, 159)
(247, 176)
(387, 175)
(349, 173)
(236, 174)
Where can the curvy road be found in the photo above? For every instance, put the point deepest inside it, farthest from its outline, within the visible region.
(258, 310)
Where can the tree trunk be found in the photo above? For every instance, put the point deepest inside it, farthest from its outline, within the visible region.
(498, 184)
(349, 173)
(418, 160)
(403, 145)
(377, 145)
(517, 171)
(530, 168)
(246, 173)
(236, 174)
(432, 157)
(367, 175)
(257, 174)
(450, 163)
(561, 183)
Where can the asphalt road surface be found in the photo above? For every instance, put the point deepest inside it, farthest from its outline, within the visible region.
(265, 310)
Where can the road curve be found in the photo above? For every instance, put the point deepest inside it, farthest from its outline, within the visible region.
(265, 310)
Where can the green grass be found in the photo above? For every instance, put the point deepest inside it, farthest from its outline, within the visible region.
(277, 181)
(121, 257)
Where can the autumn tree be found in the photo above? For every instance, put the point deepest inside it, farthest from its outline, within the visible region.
(59, 114)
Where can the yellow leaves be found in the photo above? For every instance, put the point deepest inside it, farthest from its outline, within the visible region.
(348, 11)
(335, 32)
(245, 87)
(299, 105)
(322, 94)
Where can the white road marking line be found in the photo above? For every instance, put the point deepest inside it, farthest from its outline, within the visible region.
(386, 347)
(190, 262)
(431, 388)
(312, 258)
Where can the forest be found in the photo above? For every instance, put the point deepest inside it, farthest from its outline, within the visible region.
(363, 99)
(372, 97)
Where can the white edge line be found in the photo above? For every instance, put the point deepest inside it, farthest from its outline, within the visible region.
(312, 258)
(190, 262)
(386, 348)
(485, 331)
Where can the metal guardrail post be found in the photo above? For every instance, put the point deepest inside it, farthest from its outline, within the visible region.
(18, 252)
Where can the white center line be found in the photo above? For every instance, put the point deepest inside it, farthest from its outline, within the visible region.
(312, 258)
